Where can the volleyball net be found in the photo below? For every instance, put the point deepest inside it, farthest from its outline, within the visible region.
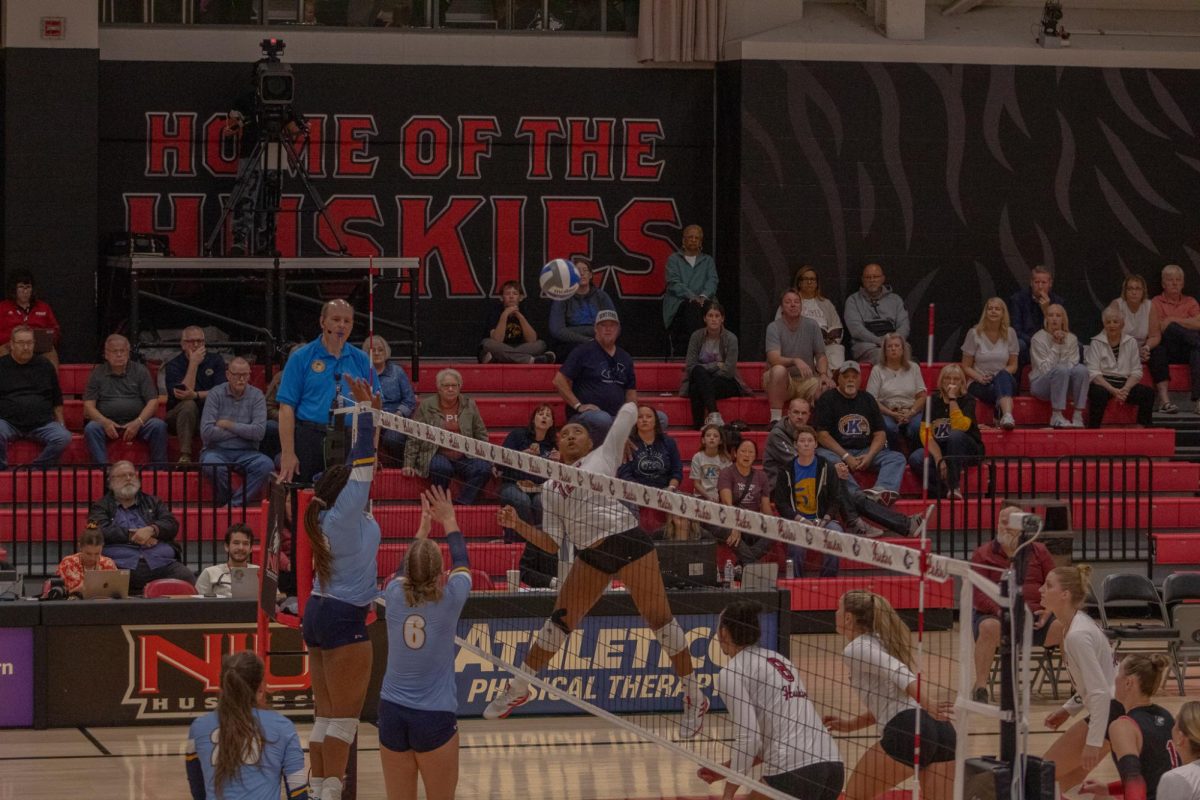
(620, 664)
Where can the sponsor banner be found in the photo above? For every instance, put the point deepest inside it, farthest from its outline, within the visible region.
(16, 677)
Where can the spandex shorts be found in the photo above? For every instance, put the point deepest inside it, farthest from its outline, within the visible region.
(330, 623)
(821, 781)
(937, 738)
(614, 552)
(402, 728)
(1039, 634)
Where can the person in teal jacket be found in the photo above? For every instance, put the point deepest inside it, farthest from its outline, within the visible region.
(691, 282)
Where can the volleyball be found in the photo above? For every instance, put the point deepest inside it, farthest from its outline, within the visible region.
(559, 279)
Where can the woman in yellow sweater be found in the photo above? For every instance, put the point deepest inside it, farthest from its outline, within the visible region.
(956, 441)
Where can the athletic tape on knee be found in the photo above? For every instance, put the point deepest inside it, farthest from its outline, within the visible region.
(320, 726)
(551, 637)
(343, 728)
(671, 637)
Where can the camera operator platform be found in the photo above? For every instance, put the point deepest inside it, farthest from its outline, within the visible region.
(264, 116)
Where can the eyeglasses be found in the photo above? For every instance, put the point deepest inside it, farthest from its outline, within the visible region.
(192, 341)
(449, 385)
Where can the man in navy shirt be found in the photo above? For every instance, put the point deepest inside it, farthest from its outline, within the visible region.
(189, 377)
(1027, 309)
(309, 386)
(597, 378)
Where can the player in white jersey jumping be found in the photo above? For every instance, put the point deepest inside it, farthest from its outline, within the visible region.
(773, 720)
(608, 544)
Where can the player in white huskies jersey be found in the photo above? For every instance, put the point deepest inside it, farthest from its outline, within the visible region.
(608, 544)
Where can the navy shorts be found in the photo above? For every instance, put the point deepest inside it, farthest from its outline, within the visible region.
(402, 728)
(614, 553)
(938, 738)
(1039, 634)
(330, 623)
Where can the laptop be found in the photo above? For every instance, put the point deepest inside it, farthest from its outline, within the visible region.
(760, 577)
(106, 583)
(43, 341)
(243, 582)
(686, 565)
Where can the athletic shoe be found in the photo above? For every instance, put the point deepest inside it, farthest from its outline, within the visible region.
(714, 419)
(918, 522)
(1007, 422)
(505, 702)
(981, 695)
(1057, 420)
(1077, 419)
(545, 358)
(873, 494)
(861, 528)
(887, 497)
(693, 716)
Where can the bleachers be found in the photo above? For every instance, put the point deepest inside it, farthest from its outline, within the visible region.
(41, 506)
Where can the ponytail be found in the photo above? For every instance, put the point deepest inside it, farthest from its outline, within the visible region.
(241, 737)
(1148, 669)
(422, 573)
(325, 494)
(874, 614)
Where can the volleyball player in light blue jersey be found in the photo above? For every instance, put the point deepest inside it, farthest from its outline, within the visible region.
(242, 751)
(418, 703)
(345, 541)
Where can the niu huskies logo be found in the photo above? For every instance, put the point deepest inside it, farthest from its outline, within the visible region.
(175, 670)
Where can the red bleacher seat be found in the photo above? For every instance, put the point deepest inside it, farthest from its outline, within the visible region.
(1177, 548)
(168, 587)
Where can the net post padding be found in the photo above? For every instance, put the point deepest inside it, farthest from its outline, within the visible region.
(885, 555)
(303, 565)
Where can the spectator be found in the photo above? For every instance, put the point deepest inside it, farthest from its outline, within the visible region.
(450, 410)
(120, 401)
(1115, 370)
(31, 405)
(1027, 309)
(873, 311)
(312, 380)
(523, 492)
(956, 441)
(654, 459)
(711, 372)
(572, 321)
(796, 364)
(139, 530)
(742, 485)
(992, 559)
(1141, 317)
(817, 307)
(398, 395)
(1057, 373)
(215, 581)
(851, 431)
(189, 378)
(233, 425)
(597, 379)
(990, 360)
(1179, 318)
(781, 441)
(898, 386)
(707, 463)
(510, 338)
(87, 557)
(691, 283)
(270, 443)
(21, 306)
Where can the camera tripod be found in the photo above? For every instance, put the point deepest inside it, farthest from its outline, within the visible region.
(260, 181)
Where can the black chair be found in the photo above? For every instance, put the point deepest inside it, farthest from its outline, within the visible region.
(1181, 594)
(1133, 588)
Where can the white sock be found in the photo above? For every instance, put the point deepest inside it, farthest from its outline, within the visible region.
(314, 787)
(332, 789)
(776, 413)
(691, 687)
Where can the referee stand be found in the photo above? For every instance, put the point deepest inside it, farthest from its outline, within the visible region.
(276, 512)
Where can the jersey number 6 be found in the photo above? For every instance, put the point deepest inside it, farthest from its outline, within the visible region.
(414, 632)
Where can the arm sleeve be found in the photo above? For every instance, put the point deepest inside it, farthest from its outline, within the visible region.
(675, 286)
(746, 742)
(210, 434)
(195, 774)
(853, 319)
(165, 521)
(1095, 695)
(781, 494)
(204, 582)
(1072, 354)
(1092, 359)
(458, 550)
(958, 420)
(1039, 349)
(100, 515)
(729, 365)
(295, 777)
(354, 496)
(709, 289)
(256, 428)
(174, 373)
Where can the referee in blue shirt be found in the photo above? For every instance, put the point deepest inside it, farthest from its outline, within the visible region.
(308, 387)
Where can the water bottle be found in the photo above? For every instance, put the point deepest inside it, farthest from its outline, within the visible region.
(729, 573)
(789, 569)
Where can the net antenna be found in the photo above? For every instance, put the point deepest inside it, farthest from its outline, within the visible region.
(923, 576)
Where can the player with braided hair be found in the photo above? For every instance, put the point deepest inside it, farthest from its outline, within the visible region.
(345, 542)
(242, 751)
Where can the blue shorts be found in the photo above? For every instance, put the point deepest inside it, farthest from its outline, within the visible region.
(330, 623)
(402, 728)
(1039, 634)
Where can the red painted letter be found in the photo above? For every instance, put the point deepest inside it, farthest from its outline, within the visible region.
(352, 144)
(475, 136)
(425, 147)
(183, 223)
(568, 222)
(540, 131)
(170, 135)
(651, 249)
(594, 150)
(421, 237)
(640, 136)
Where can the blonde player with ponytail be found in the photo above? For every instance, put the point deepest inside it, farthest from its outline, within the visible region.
(1088, 658)
(880, 659)
(418, 703)
(1183, 783)
(242, 751)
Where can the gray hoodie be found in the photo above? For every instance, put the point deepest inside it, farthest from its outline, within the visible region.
(862, 312)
